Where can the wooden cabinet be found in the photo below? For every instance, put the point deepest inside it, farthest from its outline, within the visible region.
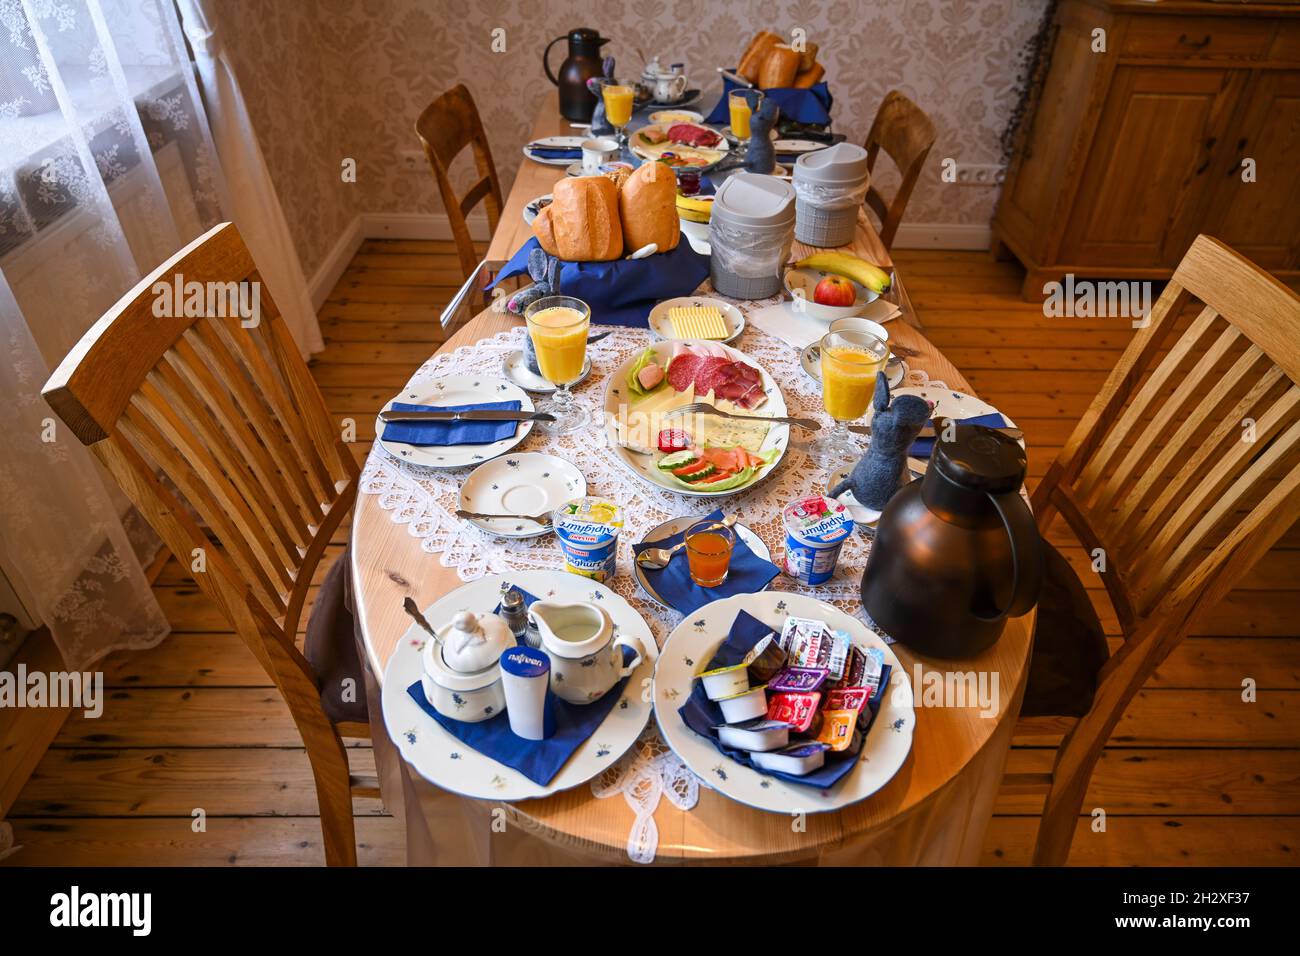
(1187, 122)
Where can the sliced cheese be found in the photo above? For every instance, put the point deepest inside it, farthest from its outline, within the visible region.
(698, 322)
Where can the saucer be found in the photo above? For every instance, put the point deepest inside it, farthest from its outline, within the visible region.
(517, 370)
(676, 525)
(529, 483)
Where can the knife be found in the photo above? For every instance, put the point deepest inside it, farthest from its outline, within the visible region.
(928, 431)
(475, 415)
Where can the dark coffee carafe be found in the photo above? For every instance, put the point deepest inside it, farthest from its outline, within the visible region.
(957, 552)
(582, 63)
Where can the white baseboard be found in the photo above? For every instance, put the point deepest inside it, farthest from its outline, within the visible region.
(427, 225)
(943, 235)
(336, 261)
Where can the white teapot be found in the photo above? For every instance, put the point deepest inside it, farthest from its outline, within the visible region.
(462, 676)
(586, 657)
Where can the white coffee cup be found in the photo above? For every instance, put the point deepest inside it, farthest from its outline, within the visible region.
(597, 152)
(669, 87)
(859, 324)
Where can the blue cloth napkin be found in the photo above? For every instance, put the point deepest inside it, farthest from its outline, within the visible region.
(623, 291)
(538, 760)
(922, 447)
(549, 152)
(450, 433)
(702, 715)
(811, 105)
(748, 573)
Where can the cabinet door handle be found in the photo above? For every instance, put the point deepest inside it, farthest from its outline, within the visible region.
(1195, 45)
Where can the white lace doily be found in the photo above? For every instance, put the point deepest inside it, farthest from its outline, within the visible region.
(424, 500)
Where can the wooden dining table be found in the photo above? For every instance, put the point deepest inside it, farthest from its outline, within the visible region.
(933, 811)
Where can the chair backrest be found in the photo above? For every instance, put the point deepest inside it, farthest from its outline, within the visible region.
(447, 126)
(193, 394)
(1186, 468)
(906, 134)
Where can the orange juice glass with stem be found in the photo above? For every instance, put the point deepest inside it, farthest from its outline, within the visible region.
(849, 363)
(743, 104)
(708, 552)
(557, 325)
(619, 97)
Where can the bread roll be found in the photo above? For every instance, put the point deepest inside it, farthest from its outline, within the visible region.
(751, 65)
(647, 206)
(780, 68)
(581, 224)
(808, 57)
(810, 77)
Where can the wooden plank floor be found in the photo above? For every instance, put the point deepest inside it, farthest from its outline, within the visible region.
(1191, 776)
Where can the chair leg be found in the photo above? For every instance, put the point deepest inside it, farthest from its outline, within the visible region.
(1080, 750)
(329, 767)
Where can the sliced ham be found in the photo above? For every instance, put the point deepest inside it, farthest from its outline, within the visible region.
(725, 377)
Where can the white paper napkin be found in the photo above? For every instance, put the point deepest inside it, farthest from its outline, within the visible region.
(801, 330)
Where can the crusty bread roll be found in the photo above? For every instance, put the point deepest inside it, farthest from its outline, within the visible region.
(809, 77)
(780, 67)
(808, 57)
(751, 64)
(581, 224)
(647, 206)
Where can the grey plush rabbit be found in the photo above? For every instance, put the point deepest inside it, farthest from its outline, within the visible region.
(600, 126)
(545, 272)
(760, 157)
(894, 427)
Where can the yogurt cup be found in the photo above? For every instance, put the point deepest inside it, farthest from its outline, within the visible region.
(588, 529)
(815, 530)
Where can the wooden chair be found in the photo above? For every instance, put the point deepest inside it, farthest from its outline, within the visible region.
(220, 437)
(1184, 471)
(903, 131)
(447, 126)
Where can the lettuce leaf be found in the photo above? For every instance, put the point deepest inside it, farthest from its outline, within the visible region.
(633, 383)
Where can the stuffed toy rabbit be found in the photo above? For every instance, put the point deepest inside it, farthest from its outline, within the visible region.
(600, 126)
(545, 273)
(760, 157)
(878, 474)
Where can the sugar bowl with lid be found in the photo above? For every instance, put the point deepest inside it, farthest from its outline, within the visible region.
(462, 674)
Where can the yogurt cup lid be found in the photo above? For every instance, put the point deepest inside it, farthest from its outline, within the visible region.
(588, 522)
(817, 521)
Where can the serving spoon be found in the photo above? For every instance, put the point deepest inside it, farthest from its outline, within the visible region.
(656, 558)
(410, 607)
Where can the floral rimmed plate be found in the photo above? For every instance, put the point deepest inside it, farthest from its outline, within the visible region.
(696, 639)
(446, 762)
(457, 390)
(677, 525)
(530, 483)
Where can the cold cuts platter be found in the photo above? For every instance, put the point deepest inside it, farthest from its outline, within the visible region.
(695, 454)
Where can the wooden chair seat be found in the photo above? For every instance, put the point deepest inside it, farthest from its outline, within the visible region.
(331, 649)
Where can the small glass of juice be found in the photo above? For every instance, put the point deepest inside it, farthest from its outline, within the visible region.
(743, 104)
(619, 97)
(849, 363)
(558, 326)
(708, 552)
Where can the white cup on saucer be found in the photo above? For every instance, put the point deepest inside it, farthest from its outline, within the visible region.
(859, 324)
(670, 87)
(597, 152)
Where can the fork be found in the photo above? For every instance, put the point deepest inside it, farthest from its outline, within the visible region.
(695, 408)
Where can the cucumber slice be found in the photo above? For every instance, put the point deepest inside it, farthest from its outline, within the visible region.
(677, 459)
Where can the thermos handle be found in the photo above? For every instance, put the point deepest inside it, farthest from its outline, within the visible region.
(546, 65)
(1026, 569)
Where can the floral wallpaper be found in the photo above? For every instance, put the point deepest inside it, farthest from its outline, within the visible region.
(346, 78)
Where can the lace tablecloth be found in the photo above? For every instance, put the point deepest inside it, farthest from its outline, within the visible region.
(424, 500)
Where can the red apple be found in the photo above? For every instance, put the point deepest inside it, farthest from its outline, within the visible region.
(835, 290)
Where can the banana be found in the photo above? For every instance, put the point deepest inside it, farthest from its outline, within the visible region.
(841, 263)
(694, 210)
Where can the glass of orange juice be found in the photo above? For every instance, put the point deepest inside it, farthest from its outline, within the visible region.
(708, 552)
(849, 363)
(619, 97)
(558, 325)
(742, 105)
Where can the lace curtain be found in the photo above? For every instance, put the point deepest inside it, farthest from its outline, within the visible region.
(106, 169)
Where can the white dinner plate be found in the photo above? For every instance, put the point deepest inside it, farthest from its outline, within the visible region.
(554, 142)
(644, 467)
(527, 483)
(446, 762)
(677, 525)
(662, 326)
(457, 390)
(694, 642)
(515, 365)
